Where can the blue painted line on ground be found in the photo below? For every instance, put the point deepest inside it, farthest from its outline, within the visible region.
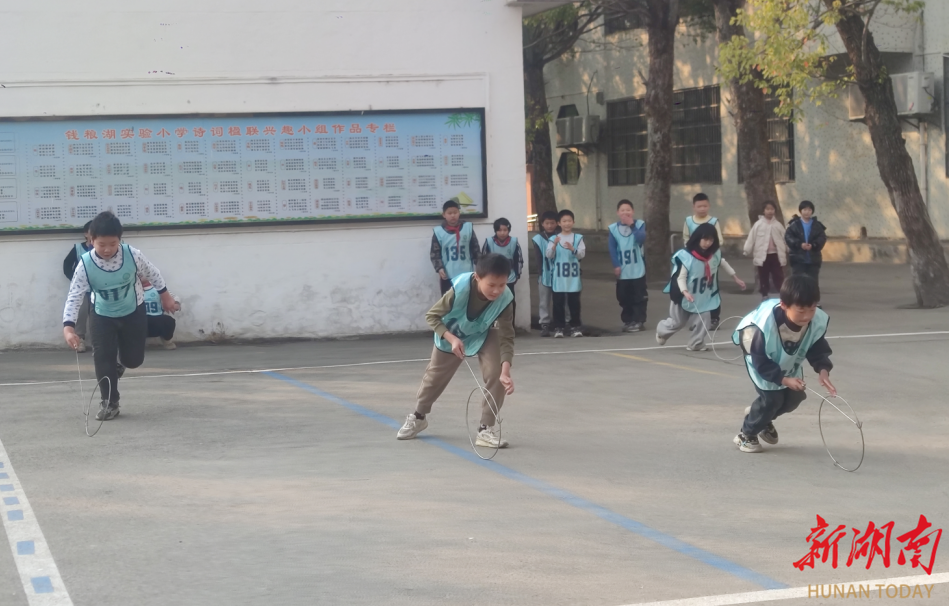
(42, 585)
(4, 476)
(15, 515)
(601, 512)
(11, 501)
(6, 487)
(25, 548)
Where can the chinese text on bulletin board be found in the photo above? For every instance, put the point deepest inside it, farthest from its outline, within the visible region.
(194, 170)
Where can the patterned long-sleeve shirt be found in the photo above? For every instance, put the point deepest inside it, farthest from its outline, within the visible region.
(80, 281)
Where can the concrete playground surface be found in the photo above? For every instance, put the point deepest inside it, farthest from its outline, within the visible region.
(270, 474)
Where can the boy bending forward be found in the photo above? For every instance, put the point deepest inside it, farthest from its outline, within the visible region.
(776, 338)
(462, 320)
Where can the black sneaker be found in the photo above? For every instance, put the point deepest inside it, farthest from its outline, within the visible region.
(769, 434)
(747, 443)
(107, 412)
(714, 323)
(637, 327)
(545, 330)
(629, 327)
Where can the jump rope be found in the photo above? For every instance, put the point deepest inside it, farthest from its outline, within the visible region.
(852, 417)
(492, 403)
(87, 405)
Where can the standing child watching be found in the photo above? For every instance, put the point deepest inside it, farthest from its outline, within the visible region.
(545, 268)
(769, 252)
(700, 216)
(113, 272)
(462, 320)
(626, 251)
(506, 245)
(695, 279)
(160, 324)
(565, 251)
(805, 237)
(69, 268)
(454, 245)
(776, 338)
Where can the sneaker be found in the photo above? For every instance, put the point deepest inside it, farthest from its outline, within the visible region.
(169, 344)
(489, 438)
(107, 412)
(413, 426)
(628, 327)
(702, 347)
(576, 332)
(82, 345)
(661, 340)
(558, 333)
(746, 443)
(714, 323)
(545, 330)
(637, 326)
(769, 434)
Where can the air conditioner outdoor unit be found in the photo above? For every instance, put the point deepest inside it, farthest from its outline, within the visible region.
(913, 92)
(564, 132)
(577, 131)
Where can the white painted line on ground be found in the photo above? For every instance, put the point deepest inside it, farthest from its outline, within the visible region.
(381, 362)
(34, 562)
(773, 595)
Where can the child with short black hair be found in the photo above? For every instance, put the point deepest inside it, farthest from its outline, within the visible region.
(545, 268)
(776, 339)
(629, 266)
(769, 252)
(455, 247)
(113, 273)
(69, 268)
(805, 237)
(565, 251)
(506, 245)
(700, 216)
(695, 279)
(463, 321)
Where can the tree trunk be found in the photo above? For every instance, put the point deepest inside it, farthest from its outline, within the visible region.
(663, 18)
(928, 259)
(751, 122)
(538, 132)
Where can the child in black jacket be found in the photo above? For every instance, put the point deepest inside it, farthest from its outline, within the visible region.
(805, 237)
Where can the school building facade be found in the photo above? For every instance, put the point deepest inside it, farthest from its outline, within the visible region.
(200, 59)
(825, 156)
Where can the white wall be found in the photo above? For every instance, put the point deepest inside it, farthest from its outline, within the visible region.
(64, 58)
(834, 158)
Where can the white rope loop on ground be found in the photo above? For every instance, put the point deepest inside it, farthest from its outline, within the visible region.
(486, 397)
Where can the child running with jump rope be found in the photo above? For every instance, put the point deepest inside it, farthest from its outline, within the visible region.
(475, 317)
(113, 272)
(776, 339)
(693, 287)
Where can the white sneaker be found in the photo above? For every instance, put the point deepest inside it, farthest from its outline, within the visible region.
(489, 438)
(558, 333)
(413, 426)
(661, 340)
(697, 348)
(169, 344)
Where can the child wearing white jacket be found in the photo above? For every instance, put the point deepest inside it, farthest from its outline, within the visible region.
(769, 252)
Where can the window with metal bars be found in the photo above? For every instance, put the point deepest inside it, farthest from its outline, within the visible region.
(628, 142)
(780, 142)
(697, 136)
(618, 22)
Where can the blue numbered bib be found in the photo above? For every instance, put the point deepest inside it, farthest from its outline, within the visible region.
(704, 290)
(456, 255)
(690, 222)
(631, 254)
(114, 291)
(508, 251)
(546, 277)
(152, 302)
(567, 268)
(472, 332)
